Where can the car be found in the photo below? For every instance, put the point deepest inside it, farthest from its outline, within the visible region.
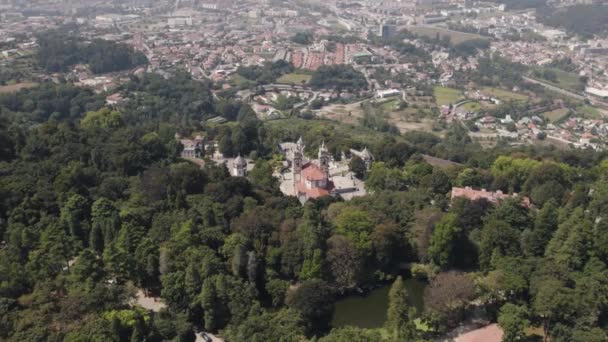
(206, 337)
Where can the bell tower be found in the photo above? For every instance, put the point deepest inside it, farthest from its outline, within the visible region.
(298, 159)
(324, 159)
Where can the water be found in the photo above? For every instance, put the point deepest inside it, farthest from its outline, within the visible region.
(370, 311)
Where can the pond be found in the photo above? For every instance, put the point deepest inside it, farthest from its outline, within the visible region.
(369, 311)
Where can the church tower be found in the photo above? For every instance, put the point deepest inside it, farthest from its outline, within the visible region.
(298, 160)
(324, 159)
(239, 168)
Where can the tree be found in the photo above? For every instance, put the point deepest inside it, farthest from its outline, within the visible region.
(312, 267)
(448, 295)
(344, 261)
(356, 225)
(261, 175)
(572, 241)
(104, 118)
(75, 216)
(313, 299)
(552, 302)
(351, 334)
(389, 245)
(399, 316)
(358, 167)
(209, 302)
(380, 177)
(497, 239)
(444, 241)
(338, 77)
(513, 319)
(277, 290)
(283, 325)
(303, 38)
(105, 223)
(439, 183)
(535, 241)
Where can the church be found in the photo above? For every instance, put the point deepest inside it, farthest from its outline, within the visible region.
(310, 179)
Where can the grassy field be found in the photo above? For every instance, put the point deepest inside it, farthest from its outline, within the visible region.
(11, 88)
(445, 96)
(389, 105)
(589, 112)
(455, 37)
(556, 115)
(504, 95)
(240, 81)
(565, 80)
(317, 130)
(294, 78)
(472, 106)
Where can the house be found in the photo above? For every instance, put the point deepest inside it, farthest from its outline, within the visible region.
(114, 99)
(193, 148)
(383, 94)
(492, 197)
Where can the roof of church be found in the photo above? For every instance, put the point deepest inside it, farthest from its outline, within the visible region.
(313, 192)
(240, 161)
(313, 172)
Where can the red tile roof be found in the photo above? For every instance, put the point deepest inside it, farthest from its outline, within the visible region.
(494, 197)
(490, 333)
(311, 193)
(313, 173)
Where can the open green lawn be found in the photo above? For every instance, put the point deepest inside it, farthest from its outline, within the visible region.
(389, 105)
(445, 96)
(504, 95)
(316, 130)
(294, 78)
(589, 112)
(11, 88)
(455, 36)
(556, 115)
(240, 81)
(472, 106)
(564, 80)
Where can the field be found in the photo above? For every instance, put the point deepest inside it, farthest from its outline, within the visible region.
(294, 78)
(312, 130)
(240, 81)
(504, 95)
(11, 88)
(472, 106)
(589, 112)
(445, 96)
(406, 120)
(564, 80)
(556, 115)
(389, 106)
(455, 36)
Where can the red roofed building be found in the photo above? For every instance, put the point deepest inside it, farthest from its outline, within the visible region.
(490, 333)
(490, 196)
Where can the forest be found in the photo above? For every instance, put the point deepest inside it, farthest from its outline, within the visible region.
(339, 77)
(60, 51)
(95, 204)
